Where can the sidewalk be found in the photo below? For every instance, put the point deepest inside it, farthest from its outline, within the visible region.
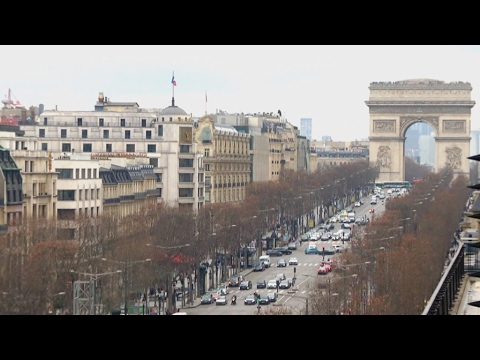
(469, 292)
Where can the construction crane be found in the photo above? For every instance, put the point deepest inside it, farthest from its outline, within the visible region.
(9, 103)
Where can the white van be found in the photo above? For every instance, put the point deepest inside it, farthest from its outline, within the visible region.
(265, 259)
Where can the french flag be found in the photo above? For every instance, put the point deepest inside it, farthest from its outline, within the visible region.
(173, 81)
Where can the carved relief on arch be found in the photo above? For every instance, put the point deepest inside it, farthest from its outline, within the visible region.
(406, 121)
(383, 125)
(454, 157)
(384, 157)
(456, 126)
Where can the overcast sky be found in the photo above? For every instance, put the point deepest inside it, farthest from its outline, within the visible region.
(328, 83)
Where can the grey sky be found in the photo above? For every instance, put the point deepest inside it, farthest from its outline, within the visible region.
(328, 83)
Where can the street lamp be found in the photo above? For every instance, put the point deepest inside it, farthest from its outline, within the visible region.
(92, 291)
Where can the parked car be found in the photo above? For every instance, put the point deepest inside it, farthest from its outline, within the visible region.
(293, 261)
(281, 263)
(261, 284)
(272, 296)
(272, 284)
(245, 285)
(222, 300)
(206, 299)
(250, 300)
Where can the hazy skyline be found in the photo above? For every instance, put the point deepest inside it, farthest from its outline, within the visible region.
(328, 83)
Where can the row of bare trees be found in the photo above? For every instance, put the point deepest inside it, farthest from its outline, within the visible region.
(41, 260)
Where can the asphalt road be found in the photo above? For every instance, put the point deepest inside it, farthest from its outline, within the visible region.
(306, 274)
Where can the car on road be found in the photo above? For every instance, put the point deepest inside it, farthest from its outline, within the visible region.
(273, 252)
(361, 220)
(281, 263)
(250, 300)
(223, 289)
(245, 285)
(323, 269)
(259, 266)
(337, 248)
(216, 294)
(263, 299)
(311, 250)
(272, 284)
(346, 226)
(293, 261)
(283, 250)
(261, 284)
(272, 296)
(329, 227)
(206, 300)
(292, 246)
(235, 281)
(327, 235)
(284, 284)
(357, 204)
(280, 277)
(222, 300)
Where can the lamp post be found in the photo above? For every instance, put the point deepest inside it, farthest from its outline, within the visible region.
(170, 298)
(92, 292)
(126, 265)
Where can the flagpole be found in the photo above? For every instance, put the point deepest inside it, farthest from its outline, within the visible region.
(205, 102)
(173, 87)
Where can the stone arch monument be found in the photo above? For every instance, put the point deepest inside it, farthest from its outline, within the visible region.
(395, 106)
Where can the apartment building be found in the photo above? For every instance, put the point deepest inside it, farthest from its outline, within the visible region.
(163, 138)
(226, 160)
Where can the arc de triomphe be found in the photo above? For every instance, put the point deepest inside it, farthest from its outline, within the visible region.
(395, 106)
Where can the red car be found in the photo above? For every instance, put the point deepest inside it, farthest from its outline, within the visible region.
(323, 269)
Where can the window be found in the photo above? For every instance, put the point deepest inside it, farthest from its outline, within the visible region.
(108, 147)
(63, 133)
(184, 149)
(188, 178)
(65, 173)
(130, 148)
(89, 173)
(160, 130)
(148, 134)
(83, 173)
(80, 194)
(151, 148)
(84, 134)
(144, 122)
(44, 146)
(207, 167)
(183, 193)
(185, 163)
(44, 121)
(79, 121)
(41, 133)
(122, 122)
(94, 173)
(153, 161)
(206, 153)
(87, 148)
(127, 134)
(106, 134)
(66, 147)
(77, 173)
(159, 177)
(100, 122)
(66, 195)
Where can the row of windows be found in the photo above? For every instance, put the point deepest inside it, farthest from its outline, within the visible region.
(87, 194)
(106, 133)
(101, 122)
(85, 173)
(87, 148)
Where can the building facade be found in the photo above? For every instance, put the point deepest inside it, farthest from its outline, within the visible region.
(306, 128)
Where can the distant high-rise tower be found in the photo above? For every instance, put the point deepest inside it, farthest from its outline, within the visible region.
(306, 127)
